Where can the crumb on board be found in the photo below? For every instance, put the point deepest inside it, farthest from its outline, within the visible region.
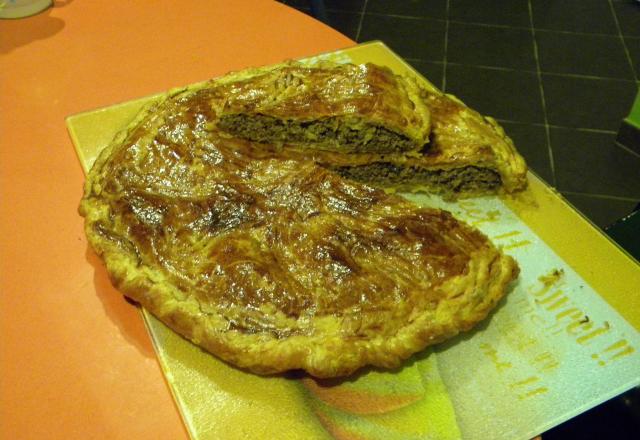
(552, 277)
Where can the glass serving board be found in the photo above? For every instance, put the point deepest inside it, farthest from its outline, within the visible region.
(563, 340)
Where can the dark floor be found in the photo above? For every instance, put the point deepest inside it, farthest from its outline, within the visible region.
(559, 75)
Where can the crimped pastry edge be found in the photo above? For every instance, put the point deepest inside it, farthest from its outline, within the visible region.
(470, 299)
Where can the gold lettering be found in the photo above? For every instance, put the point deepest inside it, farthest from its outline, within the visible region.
(558, 303)
(527, 381)
(548, 281)
(578, 326)
(546, 361)
(573, 313)
(535, 392)
(517, 244)
(622, 344)
(600, 361)
(492, 354)
(600, 331)
(525, 342)
(490, 216)
(508, 234)
(557, 328)
(554, 295)
(621, 347)
(545, 288)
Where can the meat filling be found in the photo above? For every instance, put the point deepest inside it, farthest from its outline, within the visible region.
(469, 179)
(333, 134)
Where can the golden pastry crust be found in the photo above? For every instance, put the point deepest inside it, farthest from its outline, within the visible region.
(275, 264)
(354, 98)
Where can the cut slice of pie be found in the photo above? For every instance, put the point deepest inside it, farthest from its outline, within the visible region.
(466, 153)
(330, 107)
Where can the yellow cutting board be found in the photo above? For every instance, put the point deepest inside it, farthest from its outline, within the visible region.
(564, 340)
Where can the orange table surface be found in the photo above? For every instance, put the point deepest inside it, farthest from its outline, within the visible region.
(75, 359)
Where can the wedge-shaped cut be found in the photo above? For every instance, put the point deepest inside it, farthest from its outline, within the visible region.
(466, 153)
(331, 107)
(276, 264)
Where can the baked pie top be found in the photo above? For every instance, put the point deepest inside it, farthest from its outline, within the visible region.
(275, 264)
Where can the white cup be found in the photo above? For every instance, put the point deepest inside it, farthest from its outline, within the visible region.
(22, 8)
